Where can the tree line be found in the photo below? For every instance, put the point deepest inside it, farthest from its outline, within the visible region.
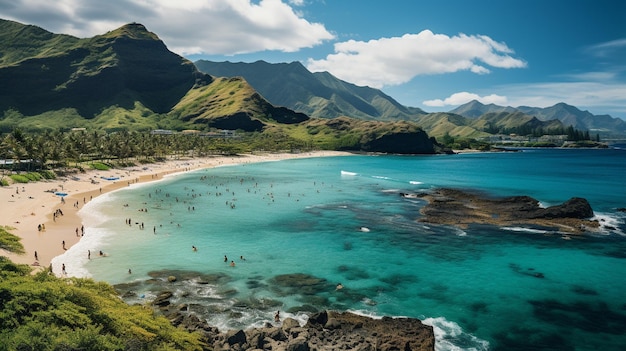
(57, 149)
(529, 130)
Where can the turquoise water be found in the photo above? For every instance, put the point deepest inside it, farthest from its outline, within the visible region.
(342, 220)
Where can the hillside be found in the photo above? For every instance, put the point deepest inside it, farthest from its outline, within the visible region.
(123, 67)
(231, 103)
(567, 114)
(316, 94)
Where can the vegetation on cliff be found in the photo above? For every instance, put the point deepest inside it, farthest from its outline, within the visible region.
(42, 312)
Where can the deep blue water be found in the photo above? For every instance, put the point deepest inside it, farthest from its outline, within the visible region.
(341, 220)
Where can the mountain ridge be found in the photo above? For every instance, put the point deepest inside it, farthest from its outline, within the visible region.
(317, 94)
(567, 114)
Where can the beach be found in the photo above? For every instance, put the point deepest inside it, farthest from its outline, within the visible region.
(33, 210)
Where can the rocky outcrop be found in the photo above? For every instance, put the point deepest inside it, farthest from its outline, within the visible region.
(410, 142)
(326, 330)
(461, 208)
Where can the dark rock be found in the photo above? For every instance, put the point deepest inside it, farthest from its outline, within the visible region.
(298, 344)
(575, 207)
(462, 208)
(163, 299)
(319, 319)
(277, 334)
(236, 337)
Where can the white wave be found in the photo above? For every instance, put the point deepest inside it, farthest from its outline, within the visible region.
(346, 173)
(76, 258)
(609, 223)
(525, 230)
(415, 182)
(448, 334)
(381, 177)
(460, 232)
(391, 190)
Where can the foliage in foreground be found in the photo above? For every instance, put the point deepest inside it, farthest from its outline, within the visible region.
(10, 242)
(43, 312)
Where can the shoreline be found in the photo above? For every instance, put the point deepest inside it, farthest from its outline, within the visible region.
(34, 204)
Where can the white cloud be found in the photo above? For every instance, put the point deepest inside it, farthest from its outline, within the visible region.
(397, 60)
(465, 97)
(215, 27)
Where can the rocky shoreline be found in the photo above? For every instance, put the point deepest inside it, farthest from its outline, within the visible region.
(463, 208)
(326, 330)
(178, 299)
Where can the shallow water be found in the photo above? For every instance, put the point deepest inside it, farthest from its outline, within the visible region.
(305, 225)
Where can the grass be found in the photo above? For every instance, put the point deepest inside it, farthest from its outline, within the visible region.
(100, 166)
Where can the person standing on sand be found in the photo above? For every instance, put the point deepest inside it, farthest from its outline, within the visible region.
(36, 256)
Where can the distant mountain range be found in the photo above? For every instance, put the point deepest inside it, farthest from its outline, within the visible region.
(567, 114)
(325, 96)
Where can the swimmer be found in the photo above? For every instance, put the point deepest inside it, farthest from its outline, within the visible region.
(225, 258)
(194, 249)
(339, 286)
(232, 263)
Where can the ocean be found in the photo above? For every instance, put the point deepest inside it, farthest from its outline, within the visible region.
(296, 229)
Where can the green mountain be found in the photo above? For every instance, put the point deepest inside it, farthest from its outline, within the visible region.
(316, 94)
(567, 114)
(127, 79)
(124, 79)
(122, 67)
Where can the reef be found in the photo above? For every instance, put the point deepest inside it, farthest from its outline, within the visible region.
(463, 208)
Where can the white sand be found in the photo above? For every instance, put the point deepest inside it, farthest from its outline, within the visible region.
(25, 206)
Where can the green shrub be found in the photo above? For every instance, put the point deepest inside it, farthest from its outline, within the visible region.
(33, 176)
(48, 174)
(100, 166)
(19, 178)
(4, 182)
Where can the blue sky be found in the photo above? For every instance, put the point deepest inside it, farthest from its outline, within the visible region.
(434, 55)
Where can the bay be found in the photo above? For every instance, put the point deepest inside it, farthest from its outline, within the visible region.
(295, 229)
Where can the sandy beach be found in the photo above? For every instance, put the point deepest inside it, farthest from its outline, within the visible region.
(28, 206)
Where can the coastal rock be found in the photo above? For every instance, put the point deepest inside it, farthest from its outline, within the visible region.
(575, 207)
(326, 330)
(463, 208)
(163, 299)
